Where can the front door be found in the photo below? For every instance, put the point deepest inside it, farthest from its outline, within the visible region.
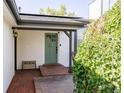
(51, 48)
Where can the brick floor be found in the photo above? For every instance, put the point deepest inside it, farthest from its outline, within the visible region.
(23, 81)
(55, 69)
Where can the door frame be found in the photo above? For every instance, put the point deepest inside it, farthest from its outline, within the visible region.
(45, 47)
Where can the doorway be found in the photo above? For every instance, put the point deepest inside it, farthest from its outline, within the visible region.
(51, 48)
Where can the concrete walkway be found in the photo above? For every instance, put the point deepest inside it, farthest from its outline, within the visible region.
(54, 84)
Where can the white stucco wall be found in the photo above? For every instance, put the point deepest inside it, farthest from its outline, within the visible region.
(80, 36)
(8, 56)
(99, 7)
(105, 5)
(31, 46)
(112, 2)
(95, 9)
(63, 54)
(8, 48)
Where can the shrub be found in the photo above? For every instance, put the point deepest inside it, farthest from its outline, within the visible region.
(97, 64)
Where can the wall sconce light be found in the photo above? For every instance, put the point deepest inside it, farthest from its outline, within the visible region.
(15, 34)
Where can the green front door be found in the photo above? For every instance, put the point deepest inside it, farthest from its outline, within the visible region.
(51, 48)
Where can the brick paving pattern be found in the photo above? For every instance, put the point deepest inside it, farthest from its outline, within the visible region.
(23, 81)
(55, 69)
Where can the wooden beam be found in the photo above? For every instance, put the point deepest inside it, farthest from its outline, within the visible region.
(45, 29)
(67, 33)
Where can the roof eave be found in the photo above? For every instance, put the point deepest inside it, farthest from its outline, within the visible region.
(13, 8)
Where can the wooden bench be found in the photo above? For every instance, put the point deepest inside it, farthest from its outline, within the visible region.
(29, 64)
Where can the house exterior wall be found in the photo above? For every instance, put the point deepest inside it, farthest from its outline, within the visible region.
(31, 46)
(99, 7)
(80, 36)
(8, 56)
(8, 49)
(63, 50)
(95, 9)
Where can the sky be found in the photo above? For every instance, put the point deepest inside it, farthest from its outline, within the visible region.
(79, 7)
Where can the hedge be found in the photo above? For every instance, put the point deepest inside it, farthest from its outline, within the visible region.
(97, 63)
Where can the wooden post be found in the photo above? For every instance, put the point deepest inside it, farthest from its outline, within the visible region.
(15, 41)
(15, 49)
(75, 43)
(70, 53)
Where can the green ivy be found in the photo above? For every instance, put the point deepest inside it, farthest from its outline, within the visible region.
(97, 64)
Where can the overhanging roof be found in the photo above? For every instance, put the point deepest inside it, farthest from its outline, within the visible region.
(53, 20)
(45, 21)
